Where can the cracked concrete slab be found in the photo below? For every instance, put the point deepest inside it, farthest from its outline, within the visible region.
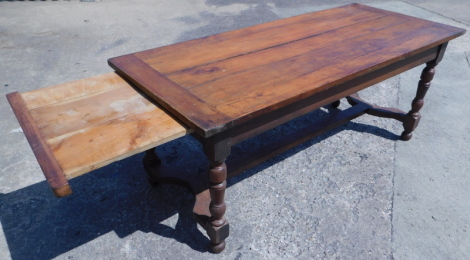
(362, 194)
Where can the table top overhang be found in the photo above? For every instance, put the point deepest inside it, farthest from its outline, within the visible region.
(216, 82)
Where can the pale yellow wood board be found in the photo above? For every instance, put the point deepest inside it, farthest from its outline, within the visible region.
(93, 122)
(72, 90)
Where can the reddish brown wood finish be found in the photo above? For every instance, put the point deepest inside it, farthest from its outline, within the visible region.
(386, 112)
(52, 171)
(235, 85)
(168, 94)
(274, 118)
(218, 229)
(216, 83)
(217, 148)
(412, 118)
(232, 86)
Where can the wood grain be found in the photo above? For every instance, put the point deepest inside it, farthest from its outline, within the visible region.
(246, 128)
(76, 114)
(239, 42)
(168, 94)
(325, 62)
(226, 79)
(113, 140)
(89, 123)
(72, 90)
(198, 75)
(49, 165)
(299, 77)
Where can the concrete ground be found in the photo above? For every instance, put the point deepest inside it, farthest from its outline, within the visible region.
(362, 193)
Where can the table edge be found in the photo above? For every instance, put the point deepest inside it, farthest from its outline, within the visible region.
(52, 171)
(206, 129)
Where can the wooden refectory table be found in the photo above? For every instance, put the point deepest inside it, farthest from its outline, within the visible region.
(232, 86)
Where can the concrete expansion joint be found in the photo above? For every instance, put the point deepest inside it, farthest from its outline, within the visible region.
(468, 60)
(392, 199)
(428, 10)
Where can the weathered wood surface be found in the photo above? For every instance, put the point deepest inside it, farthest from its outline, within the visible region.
(49, 165)
(227, 79)
(89, 123)
(228, 87)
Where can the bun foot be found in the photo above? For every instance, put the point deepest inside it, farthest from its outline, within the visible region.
(217, 248)
(406, 136)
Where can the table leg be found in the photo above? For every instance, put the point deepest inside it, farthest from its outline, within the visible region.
(335, 104)
(217, 149)
(218, 230)
(151, 161)
(209, 208)
(412, 117)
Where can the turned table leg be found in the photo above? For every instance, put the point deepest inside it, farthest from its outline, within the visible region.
(217, 149)
(218, 229)
(412, 117)
(209, 209)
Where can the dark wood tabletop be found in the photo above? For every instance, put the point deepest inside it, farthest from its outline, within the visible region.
(217, 82)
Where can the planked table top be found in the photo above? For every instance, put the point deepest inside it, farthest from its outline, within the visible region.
(217, 82)
(89, 123)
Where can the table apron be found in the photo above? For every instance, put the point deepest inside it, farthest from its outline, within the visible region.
(259, 124)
